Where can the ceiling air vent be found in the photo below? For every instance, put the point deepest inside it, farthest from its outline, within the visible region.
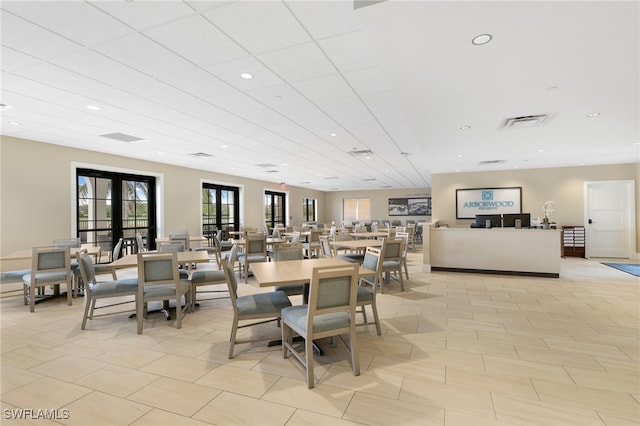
(368, 179)
(524, 121)
(122, 137)
(200, 154)
(361, 153)
(332, 177)
(490, 162)
(266, 165)
(272, 171)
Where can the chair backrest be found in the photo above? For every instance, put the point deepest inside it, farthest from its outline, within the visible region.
(342, 235)
(393, 249)
(50, 259)
(87, 269)
(404, 236)
(174, 246)
(67, 242)
(372, 259)
(182, 237)
(157, 269)
(325, 246)
(386, 224)
(374, 227)
(296, 237)
(314, 237)
(396, 222)
(117, 250)
(392, 233)
(287, 251)
(255, 244)
(140, 243)
(232, 255)
(333, 289)
(232, 283)
(401, 229)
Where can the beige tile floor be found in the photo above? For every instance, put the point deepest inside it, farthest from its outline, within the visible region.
(456, 349)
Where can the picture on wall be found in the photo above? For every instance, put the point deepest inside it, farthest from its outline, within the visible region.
(470, 202)
(410, 206)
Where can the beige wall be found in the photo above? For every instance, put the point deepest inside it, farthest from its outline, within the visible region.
(379, 202)
(563, 185)
(37, 192)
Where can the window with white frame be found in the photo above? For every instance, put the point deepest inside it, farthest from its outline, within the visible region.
(356, 209)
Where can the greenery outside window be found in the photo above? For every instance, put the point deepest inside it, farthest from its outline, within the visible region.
(309, 210)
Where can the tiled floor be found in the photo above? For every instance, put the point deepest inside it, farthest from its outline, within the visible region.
(456, 349)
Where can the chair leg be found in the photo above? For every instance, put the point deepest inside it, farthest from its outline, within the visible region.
(308, 354)
(32, 298)
(374, 308)
(355, 361)
(232, 339)
(179, 312)
(140, 311)
(88, 304)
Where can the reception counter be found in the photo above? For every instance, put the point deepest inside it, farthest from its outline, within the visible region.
(511, 251)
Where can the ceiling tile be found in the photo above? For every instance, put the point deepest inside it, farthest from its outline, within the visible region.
(301, 62)
(80, 21)
(198, 82)
(13, 60)
(197, 40)
(322, 88)
(259, 26)
(230, 72)
(349, 52)
(62, 78)
(26, 37)
(324, 19)
(144, 14)
(97, 66)
(145, 55)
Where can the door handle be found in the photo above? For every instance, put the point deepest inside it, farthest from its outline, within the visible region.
(590, 221)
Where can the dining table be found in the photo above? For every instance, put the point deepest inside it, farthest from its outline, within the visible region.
(27, 254)
(184, 257)
(369, 234)
(357, 245)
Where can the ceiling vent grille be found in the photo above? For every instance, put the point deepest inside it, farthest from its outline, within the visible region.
(122, 137)
(272, 171)
(200, 154)
(361, 153)
(524, 121)
(266, 165)
(490, 162)
(332, 177)
(369, 179)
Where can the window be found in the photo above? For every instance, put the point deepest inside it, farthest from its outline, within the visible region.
(274, 209)
(114, 205)
(220, 208)
(308, 210)
(356, 209)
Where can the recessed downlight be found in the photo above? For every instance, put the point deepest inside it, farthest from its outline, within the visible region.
(246, 76)
(333, 134)
(541, 150)
(15, 123)
(593, 114)
(93, 107)
(481, 39)
(465, 127)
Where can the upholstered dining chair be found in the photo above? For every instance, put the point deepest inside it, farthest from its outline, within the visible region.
(405, 237)
(159, 280)
(289, 251)
(330, 313)
(392, 261)
(261, 306)
(313, 246)
(255, 250)
(180, 237)
(95, 290)
(327, 251)
(49, 266)
(140, 247)
(211, 278)
(367, 285)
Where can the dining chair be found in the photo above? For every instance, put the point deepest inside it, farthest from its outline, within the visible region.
(140, 247)
(392, 261)
(367, 285)
(313, 246)
(211, 278)
(411, 238)
(180, 237)
(255, 250)
(103, 268)
(289, 251)
(260, 306)
(159, 280)
(330, 313)
(95, 290)
(404, 236)
(49, 266)
(327, 251)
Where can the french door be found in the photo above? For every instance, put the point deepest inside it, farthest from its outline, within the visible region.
(220, 209)
(274, 209)
(113, 205)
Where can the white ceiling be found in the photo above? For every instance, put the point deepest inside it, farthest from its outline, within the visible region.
(398, 78)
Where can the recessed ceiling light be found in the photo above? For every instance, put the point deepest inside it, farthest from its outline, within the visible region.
(481, 39)
(541, 150)
(465, 127)
(334, 134)
(593, 114)
(246, 76)
(93, 107)
(460, 155)
(285, 164)
(635, 144)
(15, 123)
(224, 146)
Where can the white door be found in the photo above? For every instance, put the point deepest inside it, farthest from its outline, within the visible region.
(609, 213)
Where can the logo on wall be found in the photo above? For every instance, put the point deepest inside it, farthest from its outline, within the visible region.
(487, 195)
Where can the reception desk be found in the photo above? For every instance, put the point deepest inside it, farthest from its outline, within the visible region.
(511, 251)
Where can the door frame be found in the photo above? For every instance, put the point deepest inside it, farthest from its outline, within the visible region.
(630, 212)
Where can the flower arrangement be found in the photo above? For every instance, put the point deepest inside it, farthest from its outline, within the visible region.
(548, 210)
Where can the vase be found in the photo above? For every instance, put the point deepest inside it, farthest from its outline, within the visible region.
(545, 225)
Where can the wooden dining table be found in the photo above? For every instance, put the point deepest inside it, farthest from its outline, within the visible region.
(184, 257)
(27, 254)
(357, 245)
(371, 234)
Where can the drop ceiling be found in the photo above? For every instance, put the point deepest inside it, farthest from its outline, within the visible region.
(382, 95)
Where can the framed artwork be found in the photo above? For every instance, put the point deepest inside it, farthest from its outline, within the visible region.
(470, 202)
(410, 206)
